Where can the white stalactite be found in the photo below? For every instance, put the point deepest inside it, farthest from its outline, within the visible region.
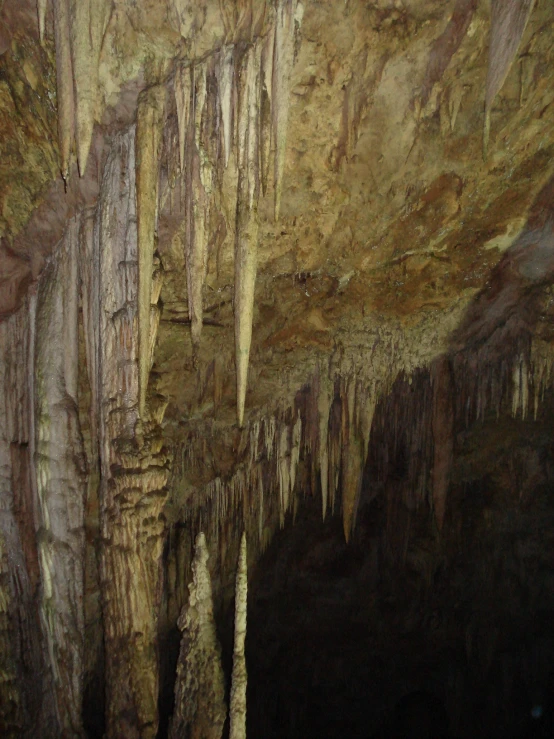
(148, 140)
(87, 25)
(64, 79)
(246, 236)
(182, 88)
(42, 6)
(237, 707)
(225, 78)
(200, 184)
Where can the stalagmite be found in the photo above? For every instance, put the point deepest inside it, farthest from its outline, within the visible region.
(287, 21)
(148, 141)
(64, 77)
(237, 706)
(246, 237)
(87, 25)
(508, 21)
(60, 469)
(200, 708)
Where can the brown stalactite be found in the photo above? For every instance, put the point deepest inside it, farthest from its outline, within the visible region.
(443, 436)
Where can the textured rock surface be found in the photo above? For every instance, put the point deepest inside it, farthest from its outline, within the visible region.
(200, 708)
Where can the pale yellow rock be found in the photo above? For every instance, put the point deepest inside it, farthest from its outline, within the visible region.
(148, 139)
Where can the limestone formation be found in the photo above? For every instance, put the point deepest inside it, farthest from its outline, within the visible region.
(200, 709)
(237, 705)
(254, 264)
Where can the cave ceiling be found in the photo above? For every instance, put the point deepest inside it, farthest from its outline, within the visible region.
(391, 212)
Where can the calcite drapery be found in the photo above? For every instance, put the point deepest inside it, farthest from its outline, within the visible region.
(132, 477)
(508, 21)
(26, 686)
(60, 473)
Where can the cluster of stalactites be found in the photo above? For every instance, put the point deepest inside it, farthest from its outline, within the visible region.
(233, 107)
(508, 384)
(319, 443)
(79, 27)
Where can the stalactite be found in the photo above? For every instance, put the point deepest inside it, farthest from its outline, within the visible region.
(64, 77)
(288, 19)
(324, 407)
(266, 133)
(295, 451)
(42, 6)
(508, 21)
(60, 467)
(443, 436)
(200, 184)
(352, 458)
(237, 705)
(283, 471)
(200, 708)
(334, 444)
(352, 470)
(225, 77)
(182, 88)
(87, 25)
(148, 141)
(247, 217)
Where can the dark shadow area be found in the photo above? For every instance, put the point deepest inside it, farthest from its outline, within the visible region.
(408, 631)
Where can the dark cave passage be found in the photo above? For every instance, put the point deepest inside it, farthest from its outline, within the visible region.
(456, 638)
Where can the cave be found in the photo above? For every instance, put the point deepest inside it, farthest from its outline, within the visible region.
(276, 369)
